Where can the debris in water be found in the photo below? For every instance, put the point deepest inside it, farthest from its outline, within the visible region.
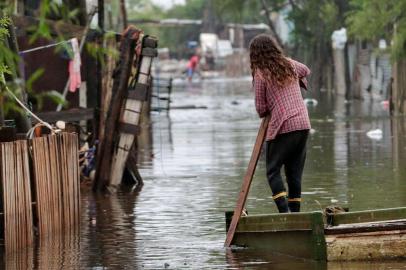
(310, 102)
(375, 134)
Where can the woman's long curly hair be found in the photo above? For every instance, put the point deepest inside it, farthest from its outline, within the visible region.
(267, 57)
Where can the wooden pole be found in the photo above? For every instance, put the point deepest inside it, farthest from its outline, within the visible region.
(339, 68)
(100, 14)
(99, 70)
(105, 152)
(242, 197)
(131, 113)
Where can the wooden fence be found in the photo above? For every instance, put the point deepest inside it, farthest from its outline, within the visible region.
(51, 165)
(16, 193)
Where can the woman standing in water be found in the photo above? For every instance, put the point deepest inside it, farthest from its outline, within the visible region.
(277, 93)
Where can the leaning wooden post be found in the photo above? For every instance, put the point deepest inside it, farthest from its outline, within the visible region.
(120, 86)
(130, 117)
(242, 197)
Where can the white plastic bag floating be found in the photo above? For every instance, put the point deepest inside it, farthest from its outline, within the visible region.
(310, 102)
(375, 134)
(339, 38)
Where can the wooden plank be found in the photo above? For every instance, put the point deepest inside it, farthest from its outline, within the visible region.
(72, 115)
(319, 247)
(105, 151)
(56, 175)
(371, 246)
(131, 116)
(369, 216)
(28, 192)
(16, 196)
(378, 226)
(247, 181)
(282, 232)
(107, 84)
(294, 243)
(276, 222)
(76, 180)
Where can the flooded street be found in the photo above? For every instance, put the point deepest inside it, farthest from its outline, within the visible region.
(192, 174)
(127, 131)
(200, 157)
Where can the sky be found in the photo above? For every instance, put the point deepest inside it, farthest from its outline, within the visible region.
(168, 3)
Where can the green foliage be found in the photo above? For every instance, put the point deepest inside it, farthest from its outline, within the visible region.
(52, 95)
(143, 9)
(176, 37)
(375, 19)
(35, 76)
(224, 11)
(238, 11)
(314, 21)
(48, 9)
(9, 60)
(6, 57)
(193, 9)
(101, 52)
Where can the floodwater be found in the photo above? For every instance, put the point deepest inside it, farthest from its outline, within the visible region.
(193, 162)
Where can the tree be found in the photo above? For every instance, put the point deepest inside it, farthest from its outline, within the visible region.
(372, 20)
(314, 21)
(9, 59)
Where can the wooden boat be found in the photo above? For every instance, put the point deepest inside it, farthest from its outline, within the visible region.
(363, 235)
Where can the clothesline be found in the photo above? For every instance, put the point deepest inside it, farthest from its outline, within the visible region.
(45, 46)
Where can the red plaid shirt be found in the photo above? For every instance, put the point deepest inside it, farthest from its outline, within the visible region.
(285, 104)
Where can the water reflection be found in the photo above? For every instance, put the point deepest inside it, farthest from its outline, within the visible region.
(257, 259)
(108, 233)
(58, 252)
(20, 261)
(193, 162)
(198, 174)
(106, 240)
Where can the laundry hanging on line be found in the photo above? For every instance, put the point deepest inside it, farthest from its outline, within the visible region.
(73, 54)
(74, 67)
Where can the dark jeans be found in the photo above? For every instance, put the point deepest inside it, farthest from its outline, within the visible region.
(289, 150)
